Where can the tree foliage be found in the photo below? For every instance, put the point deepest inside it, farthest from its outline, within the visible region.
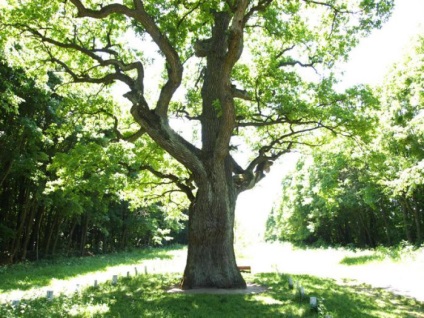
(364, 194)
(66, 185)
(282, 89)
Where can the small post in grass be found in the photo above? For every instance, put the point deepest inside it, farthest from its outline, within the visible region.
(114, 279)
(301, 293)
(95, 285)
(290, 280)
(135, 271)
(145, 269)
(313, 302)
(49, 295)
(128, 274)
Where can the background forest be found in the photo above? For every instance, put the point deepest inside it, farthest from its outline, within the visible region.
(369, 191)
(68, 185)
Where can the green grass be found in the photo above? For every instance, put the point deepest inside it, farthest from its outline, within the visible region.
(146, 296)
(27, 275)
(360, 260)
(394, 253)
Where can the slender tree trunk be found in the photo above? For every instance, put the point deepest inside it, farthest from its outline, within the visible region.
(57, 234)
(35, 236)
(24, 197)
(50, 226)
(414, 210)
(84, 230)
(5, 172)
(405, 220)
(124, 235)
(386, 223)
(211, 259)
(37, 242)
(70, 237)
(28, 230)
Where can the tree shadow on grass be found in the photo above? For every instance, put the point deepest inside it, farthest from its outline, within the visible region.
(27, 275)
(345, 300)
(147, 296)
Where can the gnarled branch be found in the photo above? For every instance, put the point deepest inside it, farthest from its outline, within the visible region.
(184, 187)
(139, 14)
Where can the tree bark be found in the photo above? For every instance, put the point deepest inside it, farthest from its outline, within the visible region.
(211, 259)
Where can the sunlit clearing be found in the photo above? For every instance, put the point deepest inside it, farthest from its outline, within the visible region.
(267, 300)
(78, 310)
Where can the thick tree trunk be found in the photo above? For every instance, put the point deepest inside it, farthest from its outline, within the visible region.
(211, 259)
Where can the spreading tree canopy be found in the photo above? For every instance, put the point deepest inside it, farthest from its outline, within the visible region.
(240, 74)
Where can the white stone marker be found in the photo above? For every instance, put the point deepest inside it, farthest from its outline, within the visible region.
(49, 295)
(313, 302)
(290, 280)
(301, 292)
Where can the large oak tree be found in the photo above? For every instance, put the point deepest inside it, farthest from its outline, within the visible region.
(249, 73)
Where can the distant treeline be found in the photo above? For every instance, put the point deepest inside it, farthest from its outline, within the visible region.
(57, 195)
(364, 192)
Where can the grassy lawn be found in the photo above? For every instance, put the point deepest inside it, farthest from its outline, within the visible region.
(146, 295)
(28, 275)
